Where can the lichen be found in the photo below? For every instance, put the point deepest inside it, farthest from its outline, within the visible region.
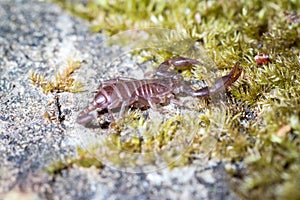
(259, 126)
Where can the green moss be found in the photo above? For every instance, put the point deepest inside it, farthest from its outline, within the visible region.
(83, 159)
(260, 122)
(63, 81)
(139, 140)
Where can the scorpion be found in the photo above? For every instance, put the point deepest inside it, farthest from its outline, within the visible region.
(122, 92)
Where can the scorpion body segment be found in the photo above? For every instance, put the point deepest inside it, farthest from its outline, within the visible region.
(123, 92)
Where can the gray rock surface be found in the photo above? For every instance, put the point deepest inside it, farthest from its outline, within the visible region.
(39, 37)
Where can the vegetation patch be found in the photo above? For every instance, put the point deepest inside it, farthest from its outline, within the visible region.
(63, 81)
(82, 159)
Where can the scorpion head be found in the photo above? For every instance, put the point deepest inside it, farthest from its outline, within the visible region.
(101, 100)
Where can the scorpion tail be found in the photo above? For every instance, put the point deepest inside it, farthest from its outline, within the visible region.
(226, 81)
(221, 84)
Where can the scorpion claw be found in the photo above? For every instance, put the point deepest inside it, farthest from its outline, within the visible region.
(182, 63)
(179, 63)
(84, 117)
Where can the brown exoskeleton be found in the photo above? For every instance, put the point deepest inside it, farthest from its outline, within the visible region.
(122, 92)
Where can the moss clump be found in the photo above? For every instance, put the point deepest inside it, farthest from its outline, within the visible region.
(64, 82)
(261, 118)
(140, 140)
(83, 159)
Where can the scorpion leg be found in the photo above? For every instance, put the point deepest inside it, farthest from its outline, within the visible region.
(141, 102)
(115, 80)
(122, 109)
(152, 104)
(220, 84)
(113, 105)
(178, 63)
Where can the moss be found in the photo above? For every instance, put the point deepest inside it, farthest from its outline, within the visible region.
(260, 122)
(139, 140)
(63, 81)
(82, 159)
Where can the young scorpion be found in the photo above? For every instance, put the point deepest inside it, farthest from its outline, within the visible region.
(122, 92)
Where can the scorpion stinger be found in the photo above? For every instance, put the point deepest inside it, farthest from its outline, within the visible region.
(225, 81)
(219, 85)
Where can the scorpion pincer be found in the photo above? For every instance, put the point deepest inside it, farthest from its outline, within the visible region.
(122, 92)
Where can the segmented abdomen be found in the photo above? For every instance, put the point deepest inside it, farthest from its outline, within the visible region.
(131, 90)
